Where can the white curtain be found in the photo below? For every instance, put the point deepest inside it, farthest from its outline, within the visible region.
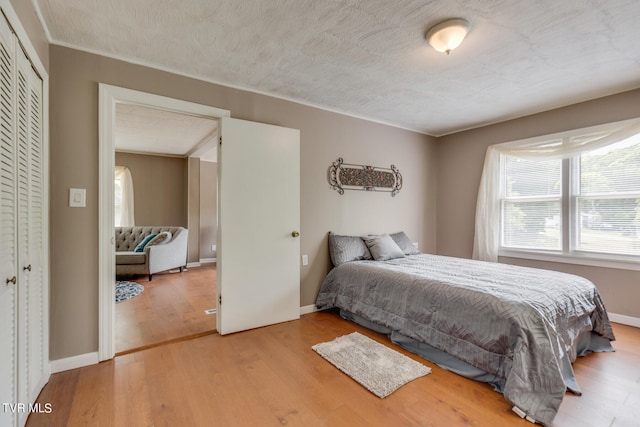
(487, 234)
(126, 218)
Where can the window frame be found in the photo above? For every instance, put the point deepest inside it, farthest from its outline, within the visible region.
(569, 220)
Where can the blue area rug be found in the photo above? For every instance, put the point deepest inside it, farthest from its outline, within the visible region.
(126, 290)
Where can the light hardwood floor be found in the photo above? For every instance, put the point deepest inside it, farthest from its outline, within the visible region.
(171, 307)
(271, 377)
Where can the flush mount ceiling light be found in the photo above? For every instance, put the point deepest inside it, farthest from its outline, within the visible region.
(448, 35)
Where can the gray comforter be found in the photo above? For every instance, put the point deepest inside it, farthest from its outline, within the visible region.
(520, 324)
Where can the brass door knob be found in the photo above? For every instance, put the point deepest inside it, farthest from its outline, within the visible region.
(295, 234)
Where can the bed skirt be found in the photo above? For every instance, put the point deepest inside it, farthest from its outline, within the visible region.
(587, 342)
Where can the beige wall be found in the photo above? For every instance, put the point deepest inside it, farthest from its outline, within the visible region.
(203, 215)
(208, 208)
(159, 188)
(29, 20)
(460, 160)
(193, 248)
(325, 136)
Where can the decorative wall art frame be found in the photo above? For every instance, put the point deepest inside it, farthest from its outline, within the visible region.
(347, 176)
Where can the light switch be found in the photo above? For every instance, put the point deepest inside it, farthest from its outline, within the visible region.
(77, 197)
(305, 260)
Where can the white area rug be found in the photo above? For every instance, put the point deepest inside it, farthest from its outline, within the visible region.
(378, 368)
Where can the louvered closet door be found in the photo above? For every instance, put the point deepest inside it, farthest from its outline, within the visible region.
(36, 352)
(8, 245)
(29, 203)
(22, 139)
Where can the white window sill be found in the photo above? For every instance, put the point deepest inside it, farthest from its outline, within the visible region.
(590, 260)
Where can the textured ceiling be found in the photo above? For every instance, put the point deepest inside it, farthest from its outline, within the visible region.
(149, 130)
(368, 58)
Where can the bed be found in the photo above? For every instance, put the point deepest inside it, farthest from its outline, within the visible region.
(516, 328)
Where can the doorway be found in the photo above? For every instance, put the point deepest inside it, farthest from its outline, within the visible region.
(166, 180)
(110, 97)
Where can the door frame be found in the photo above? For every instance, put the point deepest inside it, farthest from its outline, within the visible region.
(109, 97)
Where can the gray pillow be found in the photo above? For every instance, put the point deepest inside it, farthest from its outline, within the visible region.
(347, 248)
(160, 239)
(382, 247)
(403, 241)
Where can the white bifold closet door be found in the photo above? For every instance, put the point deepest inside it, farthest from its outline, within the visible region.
(8, 223)
(30, 231)
(23, 359)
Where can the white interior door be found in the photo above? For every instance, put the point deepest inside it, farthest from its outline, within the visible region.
(258, 274)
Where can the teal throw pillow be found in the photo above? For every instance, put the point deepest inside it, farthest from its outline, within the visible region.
(141, 245)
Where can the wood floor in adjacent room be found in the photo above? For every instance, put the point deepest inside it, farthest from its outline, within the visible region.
(271, 377)
(172, 306)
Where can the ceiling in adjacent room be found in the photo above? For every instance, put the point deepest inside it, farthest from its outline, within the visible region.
(149, 130)
(368, 58)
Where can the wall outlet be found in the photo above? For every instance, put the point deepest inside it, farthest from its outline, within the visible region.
(305, 260)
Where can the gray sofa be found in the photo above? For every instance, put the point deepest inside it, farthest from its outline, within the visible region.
(167, 250)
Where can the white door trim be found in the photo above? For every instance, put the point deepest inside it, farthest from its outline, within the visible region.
(109, 96)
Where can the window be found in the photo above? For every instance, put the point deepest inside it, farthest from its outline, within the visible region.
(117, 200)
(123, 197)
(607, 193)
(585, 204)
(532, 204)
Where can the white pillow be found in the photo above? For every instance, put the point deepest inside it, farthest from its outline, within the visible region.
(160, 239)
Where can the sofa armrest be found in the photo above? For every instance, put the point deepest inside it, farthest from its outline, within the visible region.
(169, 255)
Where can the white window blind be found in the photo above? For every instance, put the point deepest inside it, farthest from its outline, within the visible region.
(532, 203)
(607, 183)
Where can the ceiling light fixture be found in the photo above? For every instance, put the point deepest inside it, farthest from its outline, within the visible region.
(448, 35)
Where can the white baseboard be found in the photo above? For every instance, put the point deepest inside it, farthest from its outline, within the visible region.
(625, 320)
(308, 309)
(74, 362)
(193, 264)
(207, 260)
